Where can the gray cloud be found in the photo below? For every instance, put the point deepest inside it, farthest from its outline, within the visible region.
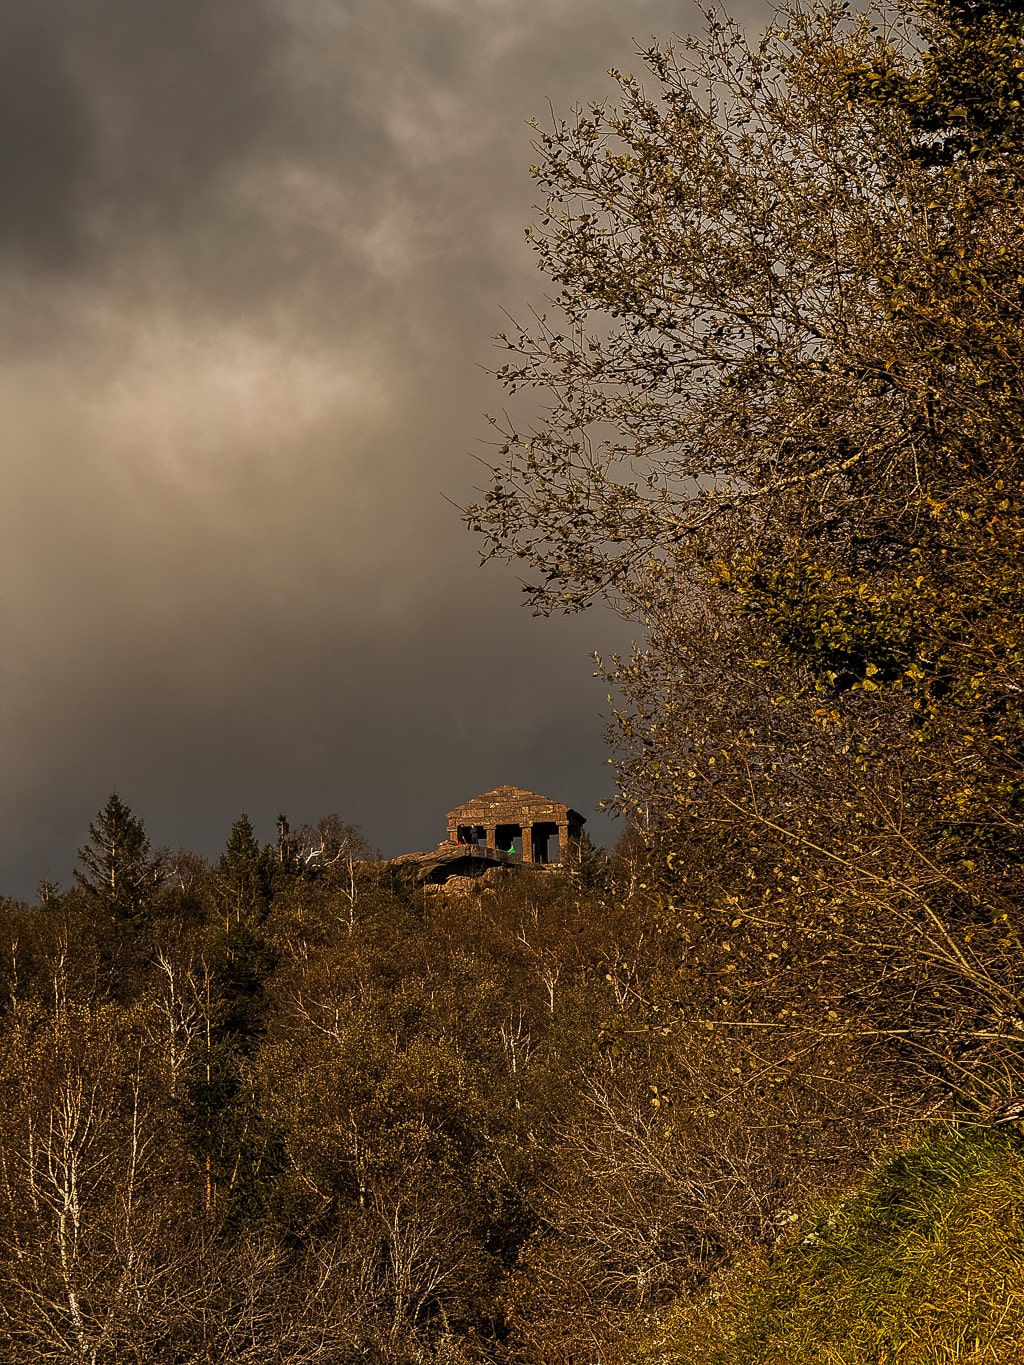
(121, 121)
(250, 259)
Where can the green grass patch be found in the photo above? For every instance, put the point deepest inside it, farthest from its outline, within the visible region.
(922, 1264)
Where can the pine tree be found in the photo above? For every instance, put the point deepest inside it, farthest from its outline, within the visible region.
(243, 875)
(244, 891)
(117, 868)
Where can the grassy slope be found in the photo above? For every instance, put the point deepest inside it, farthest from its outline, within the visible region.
(924, 1262)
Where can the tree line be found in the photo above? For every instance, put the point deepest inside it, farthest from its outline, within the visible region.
(286, 1108)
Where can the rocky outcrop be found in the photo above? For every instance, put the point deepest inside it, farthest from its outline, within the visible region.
(450, 859)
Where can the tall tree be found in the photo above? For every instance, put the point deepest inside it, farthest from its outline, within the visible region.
(244, 875)
(116, 864)
(776, 322)
(785, 402)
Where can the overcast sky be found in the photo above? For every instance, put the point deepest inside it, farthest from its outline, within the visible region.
(251, 256)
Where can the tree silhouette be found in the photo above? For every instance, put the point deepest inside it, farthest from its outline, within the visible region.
(117, 868)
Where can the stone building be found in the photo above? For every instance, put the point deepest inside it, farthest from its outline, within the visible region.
(532, 828)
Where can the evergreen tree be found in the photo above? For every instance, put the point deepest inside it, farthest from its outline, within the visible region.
(243, 875)
(244, 891)
(117, 868)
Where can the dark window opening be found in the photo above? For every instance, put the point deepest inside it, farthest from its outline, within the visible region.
(471, 834)
(544, 836)
(509, 839)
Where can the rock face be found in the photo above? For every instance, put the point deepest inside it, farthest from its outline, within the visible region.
(458, 886)
(454, 860)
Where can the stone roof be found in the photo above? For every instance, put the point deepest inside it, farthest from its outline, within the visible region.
(511, 805)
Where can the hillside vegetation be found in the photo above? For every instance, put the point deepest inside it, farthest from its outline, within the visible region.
(288, 1111)
(294, 1108)
(923, 1262)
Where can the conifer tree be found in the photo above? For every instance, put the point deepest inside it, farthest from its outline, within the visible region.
(117, 868)
(243, 874)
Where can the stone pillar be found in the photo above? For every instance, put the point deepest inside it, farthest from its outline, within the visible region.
(489, 831)
(563, 844)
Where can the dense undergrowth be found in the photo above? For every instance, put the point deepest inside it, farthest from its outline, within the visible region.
(269, 1113)
(922, 1262)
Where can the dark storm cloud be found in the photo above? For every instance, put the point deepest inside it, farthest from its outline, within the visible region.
(119, 119)
(250, 257)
